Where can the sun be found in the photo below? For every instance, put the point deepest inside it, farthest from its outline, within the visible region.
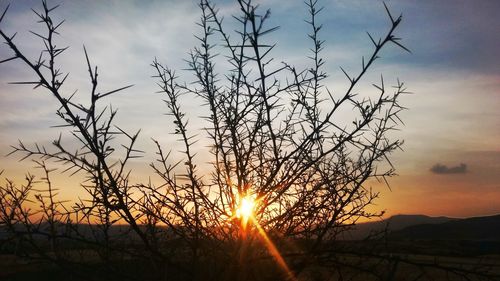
(245, 209)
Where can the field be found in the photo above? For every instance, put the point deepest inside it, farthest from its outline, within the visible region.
(404, 263)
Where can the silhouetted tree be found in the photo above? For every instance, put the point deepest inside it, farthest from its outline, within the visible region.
(276, 143)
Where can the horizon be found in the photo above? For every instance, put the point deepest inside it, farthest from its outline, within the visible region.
(451, 160)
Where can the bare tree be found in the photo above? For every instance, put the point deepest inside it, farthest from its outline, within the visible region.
(286, 178)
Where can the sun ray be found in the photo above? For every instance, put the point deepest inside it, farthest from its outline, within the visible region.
(245, 215)
(273, 250)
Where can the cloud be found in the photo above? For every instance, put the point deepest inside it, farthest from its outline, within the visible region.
(443, 169)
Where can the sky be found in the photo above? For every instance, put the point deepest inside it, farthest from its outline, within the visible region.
(450, 165)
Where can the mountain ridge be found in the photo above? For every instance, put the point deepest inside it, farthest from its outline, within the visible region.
(394, 223)
(484, 228)
(423, 227)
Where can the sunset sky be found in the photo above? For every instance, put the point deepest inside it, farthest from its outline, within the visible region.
(451, 160)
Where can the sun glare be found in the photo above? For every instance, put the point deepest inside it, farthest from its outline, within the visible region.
(245, 208)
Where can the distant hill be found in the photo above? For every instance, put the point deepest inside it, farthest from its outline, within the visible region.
(398, 228)
(394, 223)
(470, 229)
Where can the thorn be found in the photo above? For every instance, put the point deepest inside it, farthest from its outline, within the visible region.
(57, 26)
(53, 8)
(38, 35)
(371, 38)
(4, 12)
(114, 91)
(400, 45)
(348, 77)
(86, 56)
(12, 37)
(9, 59)
(389, 13)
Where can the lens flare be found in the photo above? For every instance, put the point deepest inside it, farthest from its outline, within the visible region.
(274, 251)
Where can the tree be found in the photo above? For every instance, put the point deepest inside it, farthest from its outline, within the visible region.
(285, 180)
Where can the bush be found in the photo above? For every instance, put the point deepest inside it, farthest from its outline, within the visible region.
(286, 177)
